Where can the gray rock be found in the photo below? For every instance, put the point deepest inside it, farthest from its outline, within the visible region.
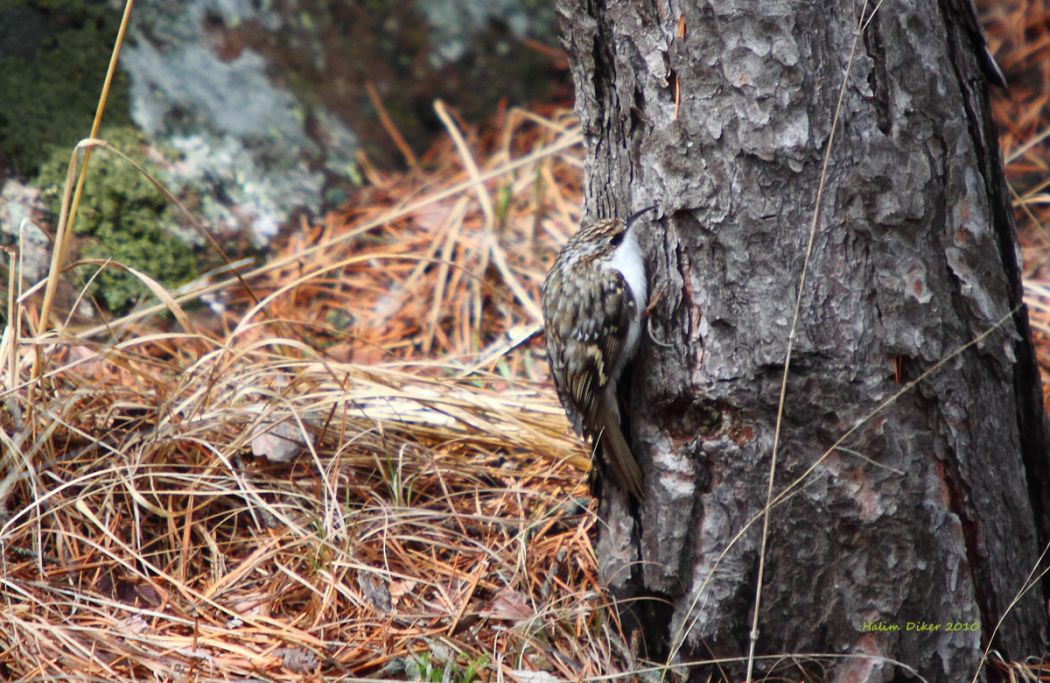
(20, 207)
(262, 106)
(242, 137)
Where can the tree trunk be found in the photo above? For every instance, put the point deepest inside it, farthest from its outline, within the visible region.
(935, 508)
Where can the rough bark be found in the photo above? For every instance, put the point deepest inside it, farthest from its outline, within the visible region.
(935, 510)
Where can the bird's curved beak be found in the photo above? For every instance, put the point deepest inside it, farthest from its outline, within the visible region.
(638, 214)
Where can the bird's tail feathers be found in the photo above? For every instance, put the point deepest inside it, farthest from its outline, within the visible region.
(619, 457)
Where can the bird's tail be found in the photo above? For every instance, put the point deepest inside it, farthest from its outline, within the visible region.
(618, 454)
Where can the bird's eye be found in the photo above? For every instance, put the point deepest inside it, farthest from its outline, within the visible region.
(617, 238)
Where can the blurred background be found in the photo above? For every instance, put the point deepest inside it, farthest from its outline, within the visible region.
(253, 113)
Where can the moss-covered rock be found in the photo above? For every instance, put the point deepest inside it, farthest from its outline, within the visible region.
(121, 217)
(53, 57)
(268, 103)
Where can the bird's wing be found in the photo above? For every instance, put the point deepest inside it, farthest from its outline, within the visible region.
(579, 349)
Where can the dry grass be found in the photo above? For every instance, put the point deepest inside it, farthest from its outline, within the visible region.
(434, 521)
(1019, 36)
(433, 516)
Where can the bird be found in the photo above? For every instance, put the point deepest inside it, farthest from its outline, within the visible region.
(593, 300)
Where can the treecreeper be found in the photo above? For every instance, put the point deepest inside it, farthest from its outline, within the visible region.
(594, 298)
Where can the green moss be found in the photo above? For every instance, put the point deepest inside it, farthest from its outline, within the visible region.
(121, 217)
(51, 71)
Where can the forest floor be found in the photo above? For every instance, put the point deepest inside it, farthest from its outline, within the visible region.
(355, 464)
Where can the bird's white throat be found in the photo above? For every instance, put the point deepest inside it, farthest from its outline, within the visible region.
(627, 258)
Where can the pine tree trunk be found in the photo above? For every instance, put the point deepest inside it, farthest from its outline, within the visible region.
(935, 508)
